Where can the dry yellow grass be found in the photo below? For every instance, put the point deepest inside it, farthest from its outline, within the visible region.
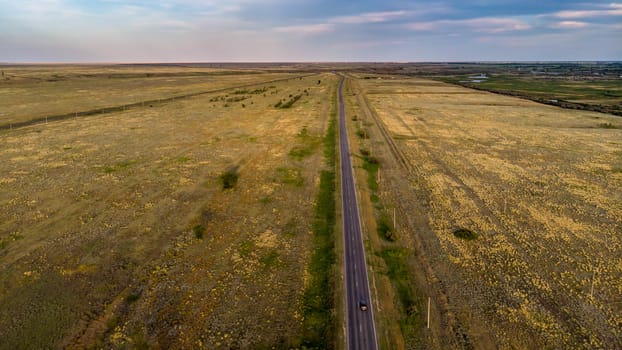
(97, 219)
(542, 188)
(32, 92)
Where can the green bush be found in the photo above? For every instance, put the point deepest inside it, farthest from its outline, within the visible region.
(199, 231)
(385, 228)
(230, 178)
(465, 233)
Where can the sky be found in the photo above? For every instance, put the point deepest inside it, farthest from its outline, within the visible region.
(309, 30)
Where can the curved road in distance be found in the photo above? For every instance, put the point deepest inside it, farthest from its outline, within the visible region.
(360, 327)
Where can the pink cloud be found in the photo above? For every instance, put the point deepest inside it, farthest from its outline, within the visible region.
(613, 9)
(569, 25)
(483, 25)
(369, 17)
(306, 29)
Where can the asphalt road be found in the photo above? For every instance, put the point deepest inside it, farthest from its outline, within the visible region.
(360, 328)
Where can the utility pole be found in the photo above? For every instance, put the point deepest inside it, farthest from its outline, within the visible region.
(593, 281)
(428, 312)
(394, 218)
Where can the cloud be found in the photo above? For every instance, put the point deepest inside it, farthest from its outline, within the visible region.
(569, 25)
(611, 10)
(481, 25)
(370, 17)
(306, 29)
(330, 24)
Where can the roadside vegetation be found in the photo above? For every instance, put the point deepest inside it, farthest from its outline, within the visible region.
(318, 300)
(394, 255)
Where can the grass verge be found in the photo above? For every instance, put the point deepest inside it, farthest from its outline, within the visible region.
(318, 298)
(403, 281)
(394, 256)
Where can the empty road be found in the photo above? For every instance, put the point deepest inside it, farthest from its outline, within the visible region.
(360, 328)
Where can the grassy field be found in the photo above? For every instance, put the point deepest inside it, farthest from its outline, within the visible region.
(512, 207)
(597, 94)
(193, 206)
(188, 224)
(34, 92)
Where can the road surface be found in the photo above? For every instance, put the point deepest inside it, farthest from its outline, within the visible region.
(360, 328)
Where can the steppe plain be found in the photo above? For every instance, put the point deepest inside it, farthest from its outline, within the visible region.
(539, 187)
(116, 231)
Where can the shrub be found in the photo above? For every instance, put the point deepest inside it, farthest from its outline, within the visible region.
(230, 177)
(291, 101)
(132, 298)
(362, 134)
(385, 228)
(199, 231)
(607, 126)
(465, 234)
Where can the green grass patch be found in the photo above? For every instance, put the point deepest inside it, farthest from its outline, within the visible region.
(374, 198)
(396, 260)
(270, 260)
(301, 152)
(246, 248)
(119, 166)
(592, 94)
(371, 164)
(290, 229)
(290, 176)
(307, 147)
(318, 297)
(265, 200)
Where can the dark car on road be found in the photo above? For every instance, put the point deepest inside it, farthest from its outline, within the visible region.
(363, 305)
